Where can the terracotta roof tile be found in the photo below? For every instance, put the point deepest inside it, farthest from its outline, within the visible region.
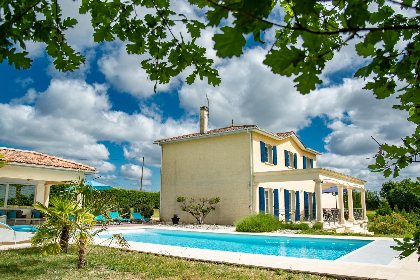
(30, 157)
(285, 134)
(218, 130)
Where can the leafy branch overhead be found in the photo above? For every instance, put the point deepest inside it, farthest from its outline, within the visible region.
(310, 33)
(199, 209)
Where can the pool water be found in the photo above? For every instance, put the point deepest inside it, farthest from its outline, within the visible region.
(298, 247)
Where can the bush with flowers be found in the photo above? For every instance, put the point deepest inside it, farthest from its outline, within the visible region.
(394, 224)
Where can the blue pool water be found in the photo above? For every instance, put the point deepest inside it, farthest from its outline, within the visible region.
(298, 247)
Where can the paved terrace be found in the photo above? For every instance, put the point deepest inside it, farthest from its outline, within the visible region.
(374, 261)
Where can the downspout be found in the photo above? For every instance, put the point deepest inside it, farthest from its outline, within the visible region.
(160, 193)
(250, 164)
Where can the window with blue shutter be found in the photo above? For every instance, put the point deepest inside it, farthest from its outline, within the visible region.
(304, 162)
(275, 155)
(297, 206)
(295, 160)
(314, 204)
(286, 205)
(312, 163)
(286, 158)
(262, 200)
(262, 145)
(276, 203)
(305, 205)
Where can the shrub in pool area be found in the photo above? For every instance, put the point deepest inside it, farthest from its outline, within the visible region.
(317, 226)
(392, 224)
(257, 223)
(146, 210)
(301, 226)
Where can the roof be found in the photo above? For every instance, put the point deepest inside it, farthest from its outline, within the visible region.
(31, 157)
(218, 130)
(235, 129)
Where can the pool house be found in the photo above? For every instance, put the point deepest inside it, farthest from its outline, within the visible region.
(35, 173)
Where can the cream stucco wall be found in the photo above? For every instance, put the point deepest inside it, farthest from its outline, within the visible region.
(207, 167)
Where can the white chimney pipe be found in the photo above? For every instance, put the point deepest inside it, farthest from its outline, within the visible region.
(204, 119)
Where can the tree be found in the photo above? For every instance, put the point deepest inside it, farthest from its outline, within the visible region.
(308, 36)
(200, 209)
(401, 194)
(372, 200)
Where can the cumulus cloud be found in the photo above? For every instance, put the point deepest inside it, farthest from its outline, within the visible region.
(105, 168)
(133, 172)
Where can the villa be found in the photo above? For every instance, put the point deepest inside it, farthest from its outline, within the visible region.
(252, 171)
(37, 170)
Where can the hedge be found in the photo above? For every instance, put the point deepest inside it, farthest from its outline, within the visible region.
(131, 198)
(135, 198)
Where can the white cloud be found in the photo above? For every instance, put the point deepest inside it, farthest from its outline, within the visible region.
(133, 172)
(24, 82)
(105, 168)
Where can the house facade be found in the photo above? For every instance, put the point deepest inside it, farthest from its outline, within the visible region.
(252, 171)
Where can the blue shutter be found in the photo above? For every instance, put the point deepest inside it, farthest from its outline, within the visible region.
(262, 200)
(276, 203)
(262, 145)
(304, 162)
(275, 155)
(286, 205)
(286, 158)
(314, 204)
(297, 206)
(295, 160)
(305, 205)
(312, 163)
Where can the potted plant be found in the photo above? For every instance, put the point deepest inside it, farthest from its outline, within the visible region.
(175, 219)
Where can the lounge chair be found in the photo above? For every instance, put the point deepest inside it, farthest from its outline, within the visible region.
(100, 219)
(22, 228)
(137, 217)
(115, 217)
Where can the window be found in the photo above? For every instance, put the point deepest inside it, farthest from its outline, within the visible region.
(290, 159)
(308, 163)
(267, 203)
(268, 153)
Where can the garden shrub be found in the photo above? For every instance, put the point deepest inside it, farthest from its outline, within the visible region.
(384, 208)
(257, 223)
(392, 224)
(146, 210)
(300, 226)
(317, 226)
(126, 212)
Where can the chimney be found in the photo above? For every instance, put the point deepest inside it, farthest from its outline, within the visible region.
(204, 119)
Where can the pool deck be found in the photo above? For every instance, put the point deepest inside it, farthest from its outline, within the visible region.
(373, 261)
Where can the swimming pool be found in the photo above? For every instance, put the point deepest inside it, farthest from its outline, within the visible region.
(298, 247)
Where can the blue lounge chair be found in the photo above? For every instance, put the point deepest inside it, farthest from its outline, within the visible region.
(21, 228)
(116, 218)
(139, 218)
(100, 219)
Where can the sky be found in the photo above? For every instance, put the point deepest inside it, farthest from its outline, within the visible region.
(107, 115)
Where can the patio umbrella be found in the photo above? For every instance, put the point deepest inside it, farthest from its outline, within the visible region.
(96, 185)
(334, 191)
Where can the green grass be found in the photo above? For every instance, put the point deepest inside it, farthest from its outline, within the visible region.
(257, 223)
(107, 263)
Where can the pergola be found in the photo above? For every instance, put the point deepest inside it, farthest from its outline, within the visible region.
(39, 170)
(323, 179)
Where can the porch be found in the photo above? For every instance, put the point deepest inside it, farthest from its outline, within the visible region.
(296, 195)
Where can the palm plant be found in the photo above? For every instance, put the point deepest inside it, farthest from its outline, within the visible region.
(72, 215)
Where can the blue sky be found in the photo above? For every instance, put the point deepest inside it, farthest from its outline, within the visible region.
(107, 115)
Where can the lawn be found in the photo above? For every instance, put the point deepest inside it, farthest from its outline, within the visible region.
(107, 263)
